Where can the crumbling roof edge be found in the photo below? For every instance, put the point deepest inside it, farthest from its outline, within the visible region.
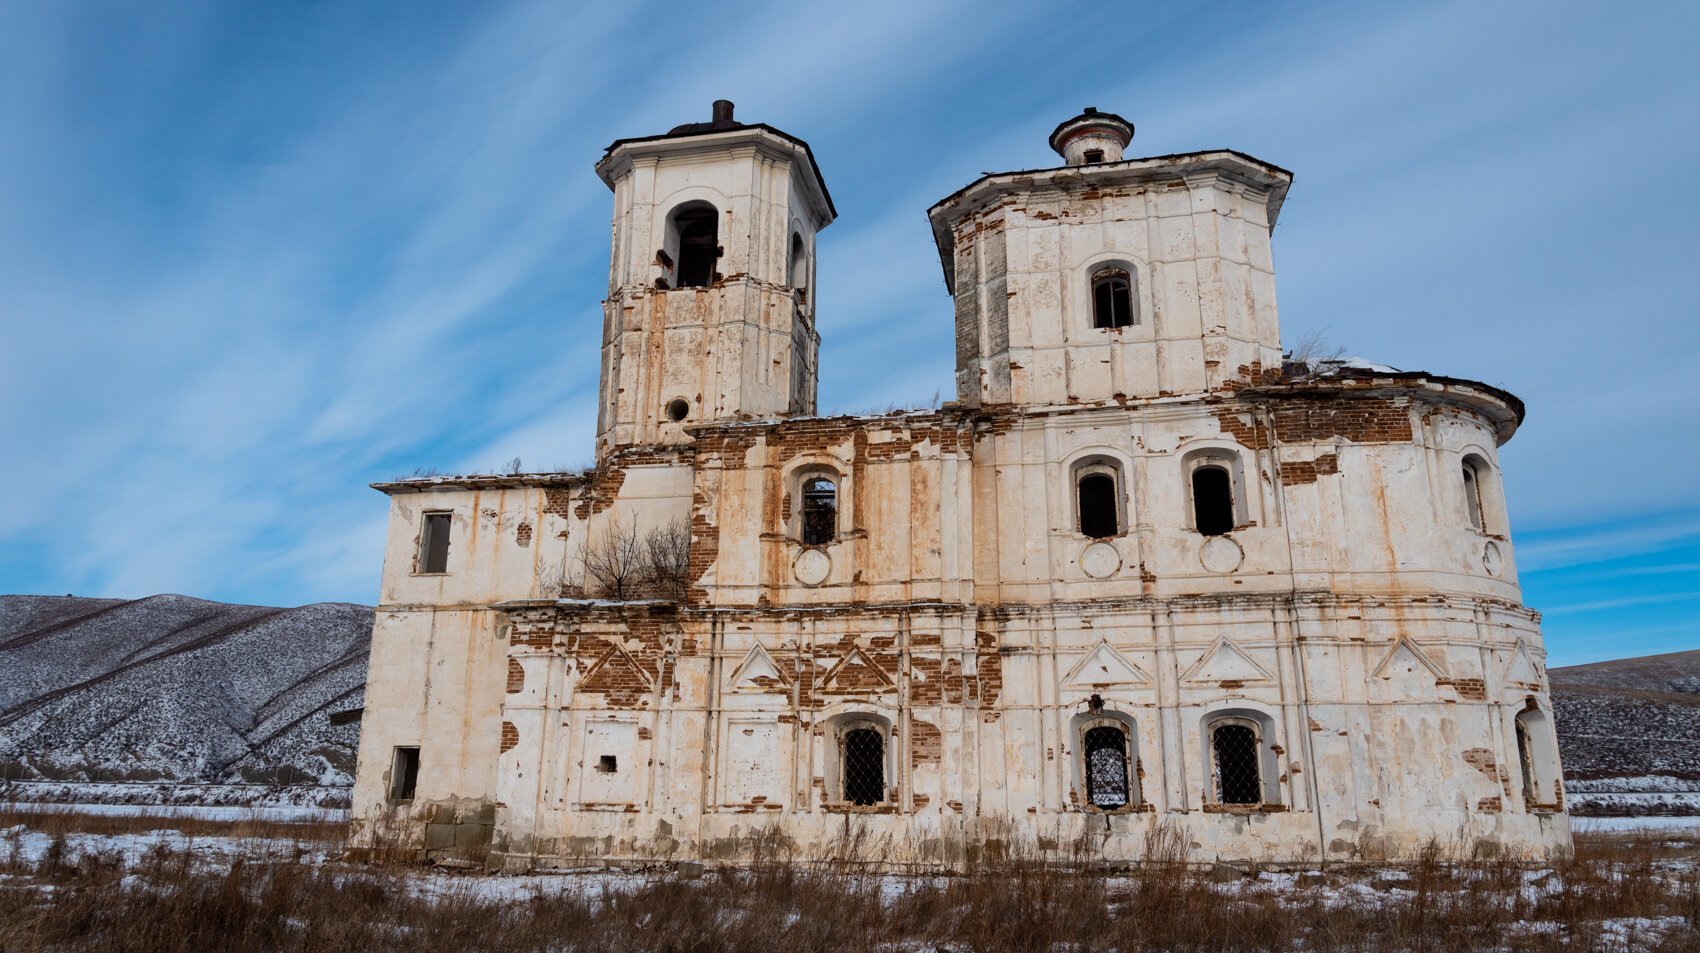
(478, 482)
(1277, 198)
(1357, 379)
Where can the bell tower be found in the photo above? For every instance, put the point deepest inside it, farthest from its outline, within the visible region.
(1109, 278)
(710, 314)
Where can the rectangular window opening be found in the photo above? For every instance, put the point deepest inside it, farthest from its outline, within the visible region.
(404, 774)
(608, 764)
(434, 543)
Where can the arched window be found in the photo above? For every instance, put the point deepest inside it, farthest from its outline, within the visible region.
(798, 268)
(1097, 503)
(1112, 299)
(1212, 500)
(1472, 473)
(1239, 776)
(863, 769)
(1106, 766)
(1537, 758)
(698, 230)
(820, 510)
(1526, 759)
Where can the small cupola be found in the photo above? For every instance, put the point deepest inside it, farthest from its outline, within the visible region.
(1092, 137)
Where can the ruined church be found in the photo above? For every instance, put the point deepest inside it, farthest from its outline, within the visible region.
(1139, 574)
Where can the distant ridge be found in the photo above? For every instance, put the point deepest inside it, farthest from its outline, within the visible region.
(1630, 718)
(172, 688)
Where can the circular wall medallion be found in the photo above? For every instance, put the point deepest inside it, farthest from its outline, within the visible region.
(811, 567)
(1492, 560)
(1100, 560)
(1220, 554)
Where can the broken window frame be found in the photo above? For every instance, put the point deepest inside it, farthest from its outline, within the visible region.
(1228, 461)
(436, 530)
(1245, 774)
(404, 773)
(1103, 782)
(817, 508)
(1112, 298)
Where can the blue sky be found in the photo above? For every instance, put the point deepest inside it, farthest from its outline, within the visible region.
(256, 256)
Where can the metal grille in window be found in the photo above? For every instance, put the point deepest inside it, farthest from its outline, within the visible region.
(1112, 299)
(1106, 766)
(864, 766)
(1237, 776)
(820, 511)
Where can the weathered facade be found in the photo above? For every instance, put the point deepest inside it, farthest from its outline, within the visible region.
(1137, 573)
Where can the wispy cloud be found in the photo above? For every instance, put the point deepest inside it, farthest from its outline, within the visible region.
(252, 259)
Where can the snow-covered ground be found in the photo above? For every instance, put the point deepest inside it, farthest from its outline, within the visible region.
(203, 812)
(1584, 825)
(175, 794)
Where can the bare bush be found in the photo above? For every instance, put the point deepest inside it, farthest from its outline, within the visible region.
(1311, 356)
(621, 564)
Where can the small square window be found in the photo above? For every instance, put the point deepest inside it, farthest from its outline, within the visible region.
(608, 764)
(1094, 156)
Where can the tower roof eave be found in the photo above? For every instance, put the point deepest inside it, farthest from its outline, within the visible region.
(622, 151)
(948, 210)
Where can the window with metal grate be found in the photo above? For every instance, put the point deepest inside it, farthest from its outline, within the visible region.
(1238, 777)
(1106, 766)
(864, 766)
(820, 511)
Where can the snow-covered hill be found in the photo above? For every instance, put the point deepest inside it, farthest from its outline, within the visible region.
(171, 688)
(1629, 734)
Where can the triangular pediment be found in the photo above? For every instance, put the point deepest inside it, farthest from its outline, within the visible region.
(1522, 668)
(1104, 666)
(1405, 655)
(758, 673)
(1227, 662)
(614, 670)
(856, 672)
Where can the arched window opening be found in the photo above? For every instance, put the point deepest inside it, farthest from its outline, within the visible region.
(699, 246)
(798, 269)
(864, 766)
(820, 511)
(1106, 766)
(1212, 500)
(1239, 780)
(1112, 299)
(1472, 473)
(1526, 758)
(1097, 503)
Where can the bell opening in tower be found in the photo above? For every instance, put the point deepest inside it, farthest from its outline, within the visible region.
(699, 246)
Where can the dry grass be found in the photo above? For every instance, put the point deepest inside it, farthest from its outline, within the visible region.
(49, 819)
(164, 900)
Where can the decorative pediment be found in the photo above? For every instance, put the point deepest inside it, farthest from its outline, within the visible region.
(1522, 667)
(856, 672)
(758, 673)
(614, 671)
(1102, 667)
(1405, 655)
(1227, 662)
